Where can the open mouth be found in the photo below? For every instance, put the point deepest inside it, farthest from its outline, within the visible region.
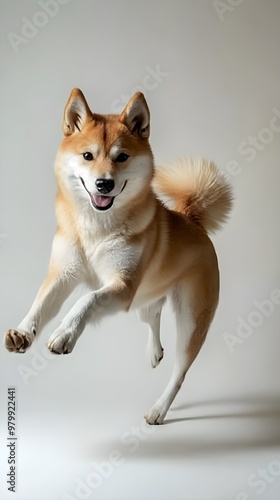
(100, 201)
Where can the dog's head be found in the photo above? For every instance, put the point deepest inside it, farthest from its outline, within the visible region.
(105, 160)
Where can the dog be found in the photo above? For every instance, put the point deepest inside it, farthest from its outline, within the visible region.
(134, 232)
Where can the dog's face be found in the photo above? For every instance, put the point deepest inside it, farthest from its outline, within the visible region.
(105, 160)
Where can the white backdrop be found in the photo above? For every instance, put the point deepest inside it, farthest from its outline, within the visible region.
(210, 71)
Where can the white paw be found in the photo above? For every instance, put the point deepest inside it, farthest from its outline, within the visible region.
(61, 342)
(156, 415)
(155, 354)
(18, 340)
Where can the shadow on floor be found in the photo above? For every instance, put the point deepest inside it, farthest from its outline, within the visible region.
(246, 407)
(214, 427)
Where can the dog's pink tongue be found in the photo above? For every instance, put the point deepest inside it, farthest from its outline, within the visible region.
(101, 201)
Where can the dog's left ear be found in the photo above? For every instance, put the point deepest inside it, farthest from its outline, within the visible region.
(76, 113)
(136, 116)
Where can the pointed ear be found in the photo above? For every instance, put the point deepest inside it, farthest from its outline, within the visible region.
(136, 116)
(76, 112)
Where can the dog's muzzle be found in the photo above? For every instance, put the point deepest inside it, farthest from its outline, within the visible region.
(105, 186)
(101, 201)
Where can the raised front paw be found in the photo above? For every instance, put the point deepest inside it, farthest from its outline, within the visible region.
(61, 342)
(17, 340)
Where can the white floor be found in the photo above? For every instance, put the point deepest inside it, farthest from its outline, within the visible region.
(206, 451)
(81, 434)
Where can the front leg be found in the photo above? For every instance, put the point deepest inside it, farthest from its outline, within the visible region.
(64, 273)
(91, 308)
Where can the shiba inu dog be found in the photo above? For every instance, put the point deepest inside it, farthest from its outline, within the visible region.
(135, 233)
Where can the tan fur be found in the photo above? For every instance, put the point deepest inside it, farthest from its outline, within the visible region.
(144, 239)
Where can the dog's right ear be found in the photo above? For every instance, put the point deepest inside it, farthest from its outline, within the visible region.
(76, 112)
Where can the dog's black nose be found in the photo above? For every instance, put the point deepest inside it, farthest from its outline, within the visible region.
(105, 186)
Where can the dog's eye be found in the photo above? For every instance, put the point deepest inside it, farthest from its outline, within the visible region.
(88, 156)
(122, 158)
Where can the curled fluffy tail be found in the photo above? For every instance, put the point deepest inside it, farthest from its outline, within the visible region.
(196, 189)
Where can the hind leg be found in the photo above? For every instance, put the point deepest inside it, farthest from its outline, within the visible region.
(151, 315)
(193, 319)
